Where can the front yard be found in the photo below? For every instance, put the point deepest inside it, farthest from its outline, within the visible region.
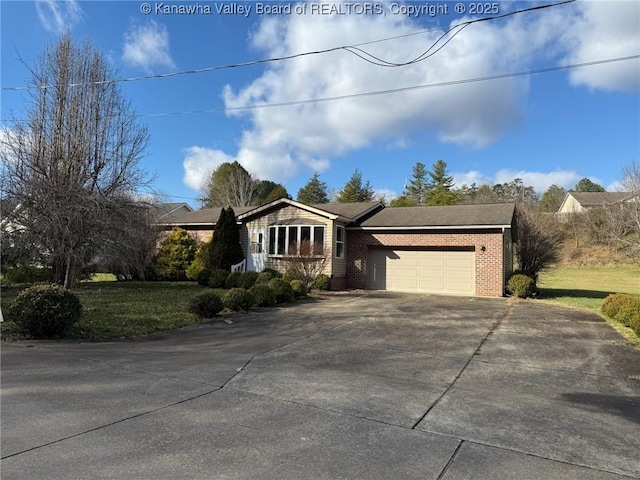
(587, 287)
(125, 309)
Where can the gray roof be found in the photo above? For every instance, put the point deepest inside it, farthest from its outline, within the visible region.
(204, 216)
(486, 215)
(595, 199)
(348, 210)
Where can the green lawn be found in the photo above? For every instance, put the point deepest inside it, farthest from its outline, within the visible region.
(586, 287)
(123, 309)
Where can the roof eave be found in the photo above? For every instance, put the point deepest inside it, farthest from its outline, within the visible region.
(432, 227)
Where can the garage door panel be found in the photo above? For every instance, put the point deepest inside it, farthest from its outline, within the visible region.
(422, 271)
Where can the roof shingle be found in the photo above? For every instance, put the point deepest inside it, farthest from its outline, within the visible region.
(486, 215)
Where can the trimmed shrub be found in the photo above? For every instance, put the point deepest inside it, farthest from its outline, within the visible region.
(203, 278)
(46, 311)
(274, 273)
(299, 290)
(233, 280)
(206, 304)
(288, 276)
(322, 282)
(614, 302)
(264, 277)
(238, 299)
(176, 254)
(521, 286)
(248, 279)
(282, 290)
(263, 295)
(218, 278)
(623, 308)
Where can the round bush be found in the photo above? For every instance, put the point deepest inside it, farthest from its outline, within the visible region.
(263, 295)
(282, 290)
(623, 308)
(299, 290)
(203, 277)
(46, 311)
(521, 286)
(274, 273)
(206, 304)
(248, 279)
(233, 280)
(288, 276)
(264, 277)
(218, 278)
(322, 282)
(238, 299)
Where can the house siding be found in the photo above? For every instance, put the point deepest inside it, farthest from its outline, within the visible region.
(489, 265)
(287, 213)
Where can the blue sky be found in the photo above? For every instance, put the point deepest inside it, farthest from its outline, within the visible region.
(546, 128)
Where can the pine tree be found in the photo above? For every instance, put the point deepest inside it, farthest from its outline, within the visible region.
(441, 186)
(314, 191)
(354, 191)
(418, 186)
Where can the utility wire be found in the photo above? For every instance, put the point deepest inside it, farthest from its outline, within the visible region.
(353, 49)
(393, 90)
(405, 89)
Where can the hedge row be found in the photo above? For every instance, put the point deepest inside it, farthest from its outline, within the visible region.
(246, 280)
(623, 308)
(262, 294)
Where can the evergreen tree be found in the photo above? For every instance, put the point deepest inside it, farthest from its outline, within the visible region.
(355, 191)
(586, 185)
(418, 186)
(314, 191)
(175, 255)
(440, 191)
(278, 192)
(225, 245)
(552, 199)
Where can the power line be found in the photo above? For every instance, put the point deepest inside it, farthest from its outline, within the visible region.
(395, 90)
(353, 49)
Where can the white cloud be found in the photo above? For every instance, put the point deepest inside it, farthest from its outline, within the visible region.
(541, 181)
(58, 17)
(147, 46)
(198, 164)
(471, 177)
(281, 140)
(605, 30)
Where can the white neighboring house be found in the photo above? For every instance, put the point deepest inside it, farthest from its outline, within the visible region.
(581, 202)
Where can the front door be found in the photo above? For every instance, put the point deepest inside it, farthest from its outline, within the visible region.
(256, 250)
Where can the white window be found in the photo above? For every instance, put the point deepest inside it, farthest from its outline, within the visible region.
(285, 240)
(339, 242)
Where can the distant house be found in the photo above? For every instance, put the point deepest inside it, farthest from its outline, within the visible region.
(459, 249)
(166, 211)
(581, 202)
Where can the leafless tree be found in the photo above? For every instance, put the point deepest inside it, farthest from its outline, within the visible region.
(538, 240)
(305, 261)
(72, 164)
(231, 185)
(624, 217)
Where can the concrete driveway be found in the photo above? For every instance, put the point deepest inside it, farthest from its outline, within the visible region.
(353, 386)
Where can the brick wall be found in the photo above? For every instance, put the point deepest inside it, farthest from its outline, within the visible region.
(489, 264)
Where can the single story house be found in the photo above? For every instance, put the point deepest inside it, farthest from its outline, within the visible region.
(458, 249)
(581, 202)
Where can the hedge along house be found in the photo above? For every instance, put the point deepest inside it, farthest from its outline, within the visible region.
(460, 249)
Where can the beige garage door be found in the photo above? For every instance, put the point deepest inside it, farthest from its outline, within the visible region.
(450, 272)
